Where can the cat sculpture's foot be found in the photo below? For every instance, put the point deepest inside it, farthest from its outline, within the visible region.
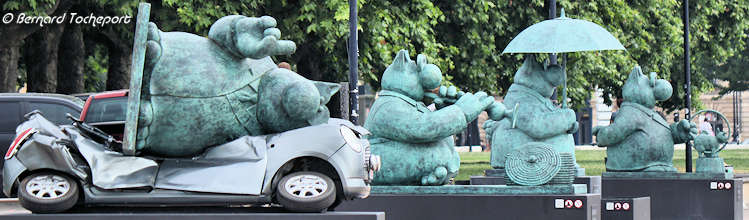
(438, 177)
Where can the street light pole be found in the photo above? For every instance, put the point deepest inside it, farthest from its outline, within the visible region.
(353, 63)
(688, 84)
(736, 116)
(552, 15)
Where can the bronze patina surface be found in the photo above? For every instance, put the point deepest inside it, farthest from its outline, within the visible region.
(640, 139)
(197, 92)
(416, 143)
(537, 119)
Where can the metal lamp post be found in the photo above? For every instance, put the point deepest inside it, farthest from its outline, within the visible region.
(688, 84)
(353, 62)
(552, 15)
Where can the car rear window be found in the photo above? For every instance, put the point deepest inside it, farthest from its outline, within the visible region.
(54, 112)
(107, 110)
(10, 116)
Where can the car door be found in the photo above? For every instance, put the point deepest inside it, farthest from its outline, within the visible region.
(10, 117)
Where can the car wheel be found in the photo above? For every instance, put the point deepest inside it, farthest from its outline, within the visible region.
(306, 192)
(47, 192)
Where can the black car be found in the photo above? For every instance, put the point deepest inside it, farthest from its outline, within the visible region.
(14, 105)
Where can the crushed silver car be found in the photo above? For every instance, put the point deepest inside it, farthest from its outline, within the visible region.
(52, 168)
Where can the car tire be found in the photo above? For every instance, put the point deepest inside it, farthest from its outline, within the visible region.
(306, 192)
(48, 192)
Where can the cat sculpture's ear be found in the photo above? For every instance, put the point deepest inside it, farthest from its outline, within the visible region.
(401, 60)
(326, 90)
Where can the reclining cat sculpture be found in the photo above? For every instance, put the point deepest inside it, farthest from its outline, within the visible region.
(200, 92)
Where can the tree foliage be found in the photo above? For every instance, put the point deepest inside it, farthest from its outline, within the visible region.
(465, 38)
(651, 30)
(735, 71)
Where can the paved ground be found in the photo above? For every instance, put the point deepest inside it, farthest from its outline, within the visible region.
(746, 198)
(9, 206)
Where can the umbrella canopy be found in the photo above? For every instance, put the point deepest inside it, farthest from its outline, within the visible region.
(561, 35)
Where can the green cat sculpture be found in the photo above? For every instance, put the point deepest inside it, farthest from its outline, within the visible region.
(640, 139)
(536, 118)
(200, 92)
(414, 142)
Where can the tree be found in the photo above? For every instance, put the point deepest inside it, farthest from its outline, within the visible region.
(735, 71)
(15, 33)
(70, 69)
(651, 30)
(464, 38)
(41, 58)
(117, 38)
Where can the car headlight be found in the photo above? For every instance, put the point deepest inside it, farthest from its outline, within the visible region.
(351, 139)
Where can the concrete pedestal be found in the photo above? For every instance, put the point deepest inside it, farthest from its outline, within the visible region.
(463, 206)
(625, 208)
(679, 196)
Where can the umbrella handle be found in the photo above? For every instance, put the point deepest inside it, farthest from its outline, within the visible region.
(564, 87)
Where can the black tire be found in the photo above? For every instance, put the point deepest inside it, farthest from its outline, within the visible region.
(296, 200)
(48, 202)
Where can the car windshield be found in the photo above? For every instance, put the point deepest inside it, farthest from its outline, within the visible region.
(107, 110)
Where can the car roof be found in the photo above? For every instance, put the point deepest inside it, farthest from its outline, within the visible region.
(83, 96)
(73, 99)
(111, 94)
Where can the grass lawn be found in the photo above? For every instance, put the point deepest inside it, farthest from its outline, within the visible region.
(474, 163)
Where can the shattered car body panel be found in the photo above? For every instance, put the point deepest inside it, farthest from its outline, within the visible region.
(112, 170)
(236, 167)
(45, 149)
(11, 170)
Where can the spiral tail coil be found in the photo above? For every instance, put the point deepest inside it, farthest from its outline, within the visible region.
(566, 174)
(533, 164)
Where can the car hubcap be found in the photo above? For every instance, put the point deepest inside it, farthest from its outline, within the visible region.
(48, 186)
(306, 186)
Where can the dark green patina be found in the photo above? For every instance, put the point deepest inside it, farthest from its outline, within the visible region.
(484, 189)
(640, 139)
(709, 146)
(563, 35)
(416, 143)
(537, 119)
(197, 92)
(136, 80)
(537, 164)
